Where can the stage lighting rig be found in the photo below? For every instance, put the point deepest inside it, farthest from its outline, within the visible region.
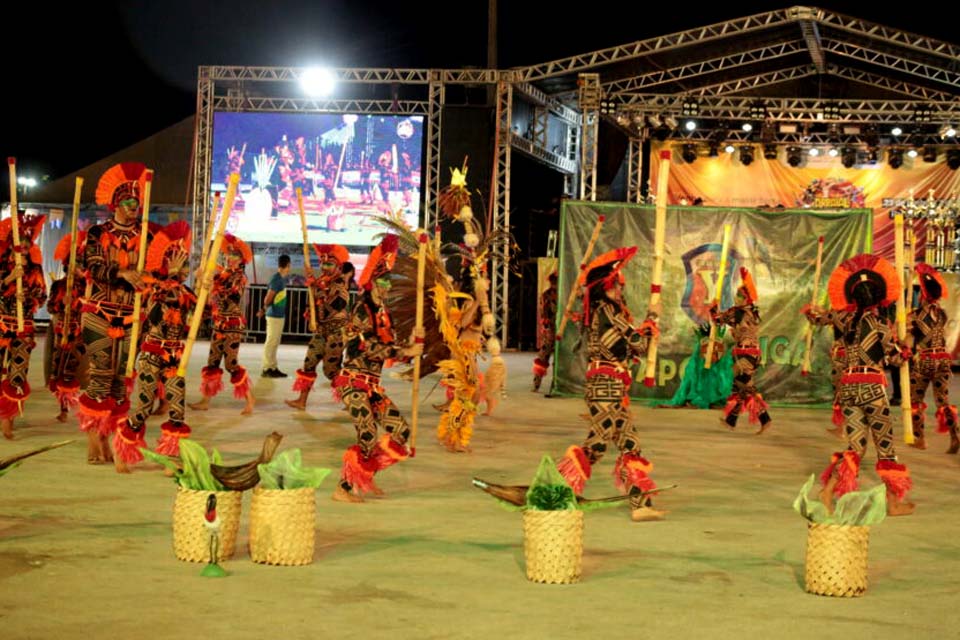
(929, 153)
(848, 157)
(746, 154)
(895, 158)
(770, 151)
(953, 159)
(689, 107)
(794, 156)
(689, 153)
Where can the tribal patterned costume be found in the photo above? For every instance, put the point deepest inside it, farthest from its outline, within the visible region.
(64, 381)
(858, 289)
(370, 340)
(111, 251)
(332, 297)
(547, 332)
(168, 305)
(838, 357)
(229, 324)
(744, 321)
(931, 360)
(612, 344)
(15, 346)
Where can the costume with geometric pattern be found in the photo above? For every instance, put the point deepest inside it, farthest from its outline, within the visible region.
(547, 333)
(63, 380)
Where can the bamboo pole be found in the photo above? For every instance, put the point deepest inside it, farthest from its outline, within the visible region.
(141, 259)
(204, 292)
(418, 330)
(306, 262)
(905, 408)
(573, 287)
(72, 264)
(15, 229)
(724, 252)
(656, 280)
(209, 230)
(805, 368)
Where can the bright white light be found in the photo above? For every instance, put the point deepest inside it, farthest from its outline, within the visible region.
(896, 131)
(950, 132)
(27, 182)
(350, 118)
(912, 153)
(317, 81)
(814, 152)
(729, 148)
(833, 153)
(746, 126)
(690, 125)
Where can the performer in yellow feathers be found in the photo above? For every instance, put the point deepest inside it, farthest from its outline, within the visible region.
(15, 346)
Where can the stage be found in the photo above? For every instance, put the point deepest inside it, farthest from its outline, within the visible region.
(87, 552)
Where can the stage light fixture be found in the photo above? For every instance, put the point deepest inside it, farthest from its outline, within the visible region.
(729, 148)
(922, 114)
(833, 152)
(608, 107)
(770, 151)
(746, 154)
(895, 158)
(714, 149)
(831, 111)
(689, 153)
(690, 125)
(813, 152)
(654, 120)
(896, 131)
(317, 81)
(929, 153)
(746, 126)
(794, 156)
(670, 121)
(689, 107)
(912, 153)
(848, 157)
(953, 159)
(758, 111)
(947, 131)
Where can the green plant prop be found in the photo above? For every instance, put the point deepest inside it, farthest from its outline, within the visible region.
(193, 472)
(856, 508)
(286, 471)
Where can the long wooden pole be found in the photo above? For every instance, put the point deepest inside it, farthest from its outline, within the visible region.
(415, 392)
(306, 262)
(724, 252)
(905, 408)
(659, 240)
(805, 368)
(72, 264)
(232, 183)
(573, 287)
(209, 230)
(15, 228)
(141, 260)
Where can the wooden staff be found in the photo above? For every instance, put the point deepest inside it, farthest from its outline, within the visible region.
(905, 407)
(306, 262)
(724, 252)
(659, 240)
(421, 270)
(209, 230)
(805, 368)
(15, 230)
(141, 259)
(232, 183)
(574, 287)
(72, 264)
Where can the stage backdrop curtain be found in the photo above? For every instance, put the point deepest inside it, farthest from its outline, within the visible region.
(778, 247)
(823, 182)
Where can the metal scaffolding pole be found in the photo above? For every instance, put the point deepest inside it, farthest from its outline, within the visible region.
(431, 186)
(202, 149)
(500, 278)
(589, 101)
(635, 168)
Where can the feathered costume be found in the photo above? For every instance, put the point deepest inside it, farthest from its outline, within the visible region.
(67, 349)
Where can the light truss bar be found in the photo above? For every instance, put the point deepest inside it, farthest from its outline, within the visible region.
(589, 103)
(642, 48)
(635, 170)
(251, 103)
(359, 75)
(906, 88)
(811, 34)
(890, 35)
(713, 65)
(541, 121)
(542, 154)
(202, 150)
(928, 72)
(540, 98)
(431, 188)
(756, 81)
(799, 138)
(500, 278)
(572, 153)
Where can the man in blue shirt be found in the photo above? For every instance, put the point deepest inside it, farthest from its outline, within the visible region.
(275, 311)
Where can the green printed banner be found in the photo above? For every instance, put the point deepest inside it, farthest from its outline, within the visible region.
(779, 248)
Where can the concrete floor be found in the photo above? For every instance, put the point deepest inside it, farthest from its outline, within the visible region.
(87, 552)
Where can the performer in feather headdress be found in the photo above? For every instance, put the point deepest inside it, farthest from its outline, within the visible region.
(64, 380)
(15, 346)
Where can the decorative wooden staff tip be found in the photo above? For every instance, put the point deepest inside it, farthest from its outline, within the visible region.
(656, 279)
(808, 334)
(568, 308)
(211, 264)
(905, 405)
(209, 230)
(307, 269)
(72, 264)
(724, 252)
(418, 330)
(15, 230)
(141, 260)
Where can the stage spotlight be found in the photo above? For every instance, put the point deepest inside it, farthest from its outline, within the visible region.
(690, 107)
(729, 148)
(690, 125)
(953, 159)
(848, 157)
(746, 154)
(746, 126)
(814, 152)
(895, 158)
(794, 156)
(317, 81)
(770, 151)
(689, 153)
(929, 153)
(670, 121)
(714, 149)
(833, 152)
(654, 120)
(912, 153)
(896, 131)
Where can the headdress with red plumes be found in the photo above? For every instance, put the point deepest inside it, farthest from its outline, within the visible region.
(932, 285)
(29, 228)
(748, 286)
(863, 268)
(380, 261)
(331, 253)
(62, 252)
(173, 237)
(121, 182)
(603, 272)
(233, 244)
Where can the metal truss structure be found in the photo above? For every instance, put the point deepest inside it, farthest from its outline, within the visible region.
(804, 76)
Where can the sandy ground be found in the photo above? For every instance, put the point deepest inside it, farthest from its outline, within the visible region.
(85, 552)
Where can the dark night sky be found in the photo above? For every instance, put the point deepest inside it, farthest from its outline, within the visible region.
(92, 78)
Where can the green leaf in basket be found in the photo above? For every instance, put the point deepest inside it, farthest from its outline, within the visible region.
(856, 508)
(164, 460)
(286, 471)
(549, 491)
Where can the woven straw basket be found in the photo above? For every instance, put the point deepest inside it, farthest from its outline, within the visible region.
(191, 539)
(553, 545)
(282, 526)
(837, 560)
